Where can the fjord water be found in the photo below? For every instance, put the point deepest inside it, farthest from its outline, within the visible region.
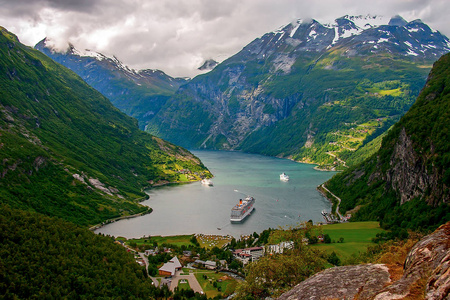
(194, 208)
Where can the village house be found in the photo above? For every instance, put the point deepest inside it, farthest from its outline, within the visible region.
(279, 248)
(170, 267)
(241, 256)
(249, 254)
(223, 263)
(209, 264)
(151, 252)
(199, 263)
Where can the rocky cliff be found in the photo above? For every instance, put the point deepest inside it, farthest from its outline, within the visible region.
(412, 167)
(426, 275)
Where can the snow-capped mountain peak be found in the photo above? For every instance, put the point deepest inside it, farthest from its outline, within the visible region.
(348, 26)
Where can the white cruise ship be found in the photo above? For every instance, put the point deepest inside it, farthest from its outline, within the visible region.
(241, 210)
(284, 177)
(207, 182)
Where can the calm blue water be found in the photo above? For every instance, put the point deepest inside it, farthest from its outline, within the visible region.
(194, 208)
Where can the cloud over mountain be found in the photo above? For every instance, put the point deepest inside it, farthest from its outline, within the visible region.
(177, 36)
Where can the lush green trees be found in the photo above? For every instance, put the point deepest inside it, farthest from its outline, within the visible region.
(274, 274)
(44, 257)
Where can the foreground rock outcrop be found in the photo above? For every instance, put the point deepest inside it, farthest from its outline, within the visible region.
(426, 276)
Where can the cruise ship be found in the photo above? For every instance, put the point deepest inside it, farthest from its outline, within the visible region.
(207, 182)
(241, 210)
(284, 177)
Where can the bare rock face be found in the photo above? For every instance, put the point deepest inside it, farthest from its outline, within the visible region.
(349, 282)
(431, 255)
(428, 263)
(410, 176)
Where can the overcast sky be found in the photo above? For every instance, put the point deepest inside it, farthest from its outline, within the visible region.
(176, 36)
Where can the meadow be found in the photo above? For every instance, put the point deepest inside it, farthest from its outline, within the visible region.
(357, 237)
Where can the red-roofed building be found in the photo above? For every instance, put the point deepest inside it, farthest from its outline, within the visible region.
(248, 254)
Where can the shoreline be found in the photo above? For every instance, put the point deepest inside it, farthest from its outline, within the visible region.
(163, 231)
(140, 200)
(98, 226)
(316, 167)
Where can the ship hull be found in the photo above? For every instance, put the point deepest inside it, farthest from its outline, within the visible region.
(242, 218)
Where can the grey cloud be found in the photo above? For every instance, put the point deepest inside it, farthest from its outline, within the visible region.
(177, 35)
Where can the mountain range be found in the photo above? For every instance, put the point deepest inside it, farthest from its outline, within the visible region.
(308, 91)
(66, 151)
(139, 94)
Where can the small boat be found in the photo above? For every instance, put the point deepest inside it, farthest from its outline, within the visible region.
(207, 182)
(284, 177)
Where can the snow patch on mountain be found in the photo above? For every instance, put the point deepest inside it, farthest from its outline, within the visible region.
(88, 53)
(296, 26)
(410, 52)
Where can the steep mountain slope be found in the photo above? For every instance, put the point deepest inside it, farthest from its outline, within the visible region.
(406, 183)
(306, 91)
(66, 151)
(139, 94)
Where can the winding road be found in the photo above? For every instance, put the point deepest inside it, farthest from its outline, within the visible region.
(338, 199)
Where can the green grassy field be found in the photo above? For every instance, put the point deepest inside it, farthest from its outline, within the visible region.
(357, 237)
(177, 240)
(184, 286)
(227, 285)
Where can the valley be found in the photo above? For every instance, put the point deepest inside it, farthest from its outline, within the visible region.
(293, 93)
(86, 140)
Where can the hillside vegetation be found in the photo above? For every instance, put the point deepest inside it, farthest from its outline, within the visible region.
(406, 183)
(139, 94)
(43, 257)
(66, 151)
(307, 91)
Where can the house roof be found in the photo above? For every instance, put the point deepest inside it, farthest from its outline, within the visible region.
(210, 262)
(176, 262)
(244, 254)
(168, 267)
(171, 266)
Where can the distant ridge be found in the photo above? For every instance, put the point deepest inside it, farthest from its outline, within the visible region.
(66, 151)
(308, 91)
(139, 94)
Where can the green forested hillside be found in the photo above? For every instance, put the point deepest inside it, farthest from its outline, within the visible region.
(66, 151)
(359, 99)
(48, 258)
(306, 91)
(139, 94)
(406, 183)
